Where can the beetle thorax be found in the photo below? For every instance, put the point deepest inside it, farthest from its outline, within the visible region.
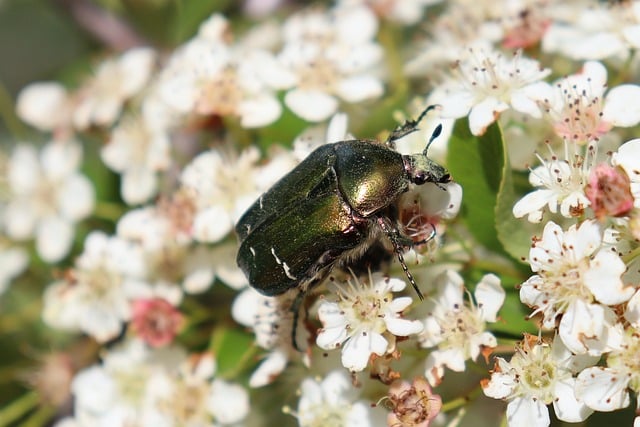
(422, 169)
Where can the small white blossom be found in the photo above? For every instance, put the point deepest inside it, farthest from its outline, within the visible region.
(560, 183)
(95, 297)
(138, 150)
(457, 328)
(211, 76)
(14, 260)
(598, 31)
(407, 12)
(327, 57)
(579, 109)
(223, 186)
(116, 80)
(488, 83)
(333, 401)
(271, 321)
(45, 105)
(578, 279)
(537, 375)
(365, 320)
(607, 388)
(47, 196)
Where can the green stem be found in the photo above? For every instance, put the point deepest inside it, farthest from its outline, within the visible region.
(108, 211)
(459, 402)
(18, 408)
(40, 418)
(627, 258)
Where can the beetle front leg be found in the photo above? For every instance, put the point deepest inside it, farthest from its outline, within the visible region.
(396, 238)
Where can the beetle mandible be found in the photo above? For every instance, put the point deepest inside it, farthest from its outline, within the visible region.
(329, 210)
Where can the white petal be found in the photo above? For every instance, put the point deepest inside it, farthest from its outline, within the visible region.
(602, 389)
(359, 88)
(76, 199)
(54, 238)
(403, 327)
(485, 113)
(212, 224)
(20, 219)
(603, 278)
(269, 369)
(622, 106)
(312, 106)
(590, 328)
(259, 111)
(522, 101)
(456, 105)
(24, 173)
(565, 404)
(356, 351)
(526, 411)
(198, 281)
(43, 105)
(229, 403)
(532, 203)
(500, 386)
(60, 159)
(490, 296)
(135, 66)
(138, 185)
(632, 312)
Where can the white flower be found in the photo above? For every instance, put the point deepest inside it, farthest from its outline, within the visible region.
(96, 295)
(47, 197)
(598, 31)
(579, 109)
(223, 186)
(210, 76)
(137, 150)
(126, 388)
(537, 375)
(407, 12)
(329, 56)
(607, 388)
(578, 279)
(365, 320)
(628, 158)
(458, 328)
(487, 83)
(560, 183)
(271, 320)
(333, 402)
(100, 100)
(45, 105)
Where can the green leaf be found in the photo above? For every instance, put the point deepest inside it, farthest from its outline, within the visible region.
(514, 233)
(513, 318)
(477, 163)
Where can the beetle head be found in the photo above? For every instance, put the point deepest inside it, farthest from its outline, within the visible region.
(422, 169)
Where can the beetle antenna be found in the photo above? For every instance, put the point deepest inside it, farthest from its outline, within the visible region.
(436, 133)
(392, 234)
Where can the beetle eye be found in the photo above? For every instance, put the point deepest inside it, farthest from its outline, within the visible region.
(420, 178)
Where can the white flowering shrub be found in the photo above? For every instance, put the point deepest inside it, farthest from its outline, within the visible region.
(508, 296)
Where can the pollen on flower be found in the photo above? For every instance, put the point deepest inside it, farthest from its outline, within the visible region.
(412, 404)
(365, 320)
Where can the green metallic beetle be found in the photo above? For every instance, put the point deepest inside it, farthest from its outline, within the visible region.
(329, 210)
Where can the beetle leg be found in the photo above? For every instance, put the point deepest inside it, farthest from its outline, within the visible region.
(394, 236)
(408, 127)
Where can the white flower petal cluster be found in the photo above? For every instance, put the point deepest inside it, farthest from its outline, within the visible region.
(47, 197)
(560, 183)
(488, 82)
(628, 158)
(539, 374)
(95, 296)
(578, 279)
(365, 320)
(222, 186)
(333, 401)
(595, 31)
(138, 386)
(210, 75)
(580, 107)
(607, 388)
(456, 328)
(271, 321)
(407, 12)
(328, 57)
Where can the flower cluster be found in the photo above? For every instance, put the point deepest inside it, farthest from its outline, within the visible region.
(125, 194)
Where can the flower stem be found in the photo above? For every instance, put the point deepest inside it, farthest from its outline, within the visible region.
(18, 408)
(462, 401)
